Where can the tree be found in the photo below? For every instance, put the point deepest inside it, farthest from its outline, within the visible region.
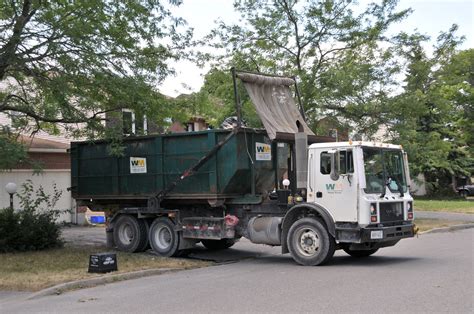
(433, 117)
(64, 63)
(335, 52)
(215, 100)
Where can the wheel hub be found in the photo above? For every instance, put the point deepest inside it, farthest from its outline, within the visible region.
(309, 242)
(163, 237)
(126, 233)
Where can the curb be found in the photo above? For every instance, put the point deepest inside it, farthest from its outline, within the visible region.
(92, 282)
(448, 229)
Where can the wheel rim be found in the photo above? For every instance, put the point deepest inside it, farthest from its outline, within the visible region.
(163, 237)
(126, 233)
(308, 243)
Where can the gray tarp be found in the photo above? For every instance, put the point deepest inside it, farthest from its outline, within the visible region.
(275, 105)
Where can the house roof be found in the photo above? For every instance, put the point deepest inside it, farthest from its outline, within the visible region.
(36, 144)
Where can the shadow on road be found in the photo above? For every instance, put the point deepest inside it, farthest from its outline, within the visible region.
(235, 255)
(371, 261)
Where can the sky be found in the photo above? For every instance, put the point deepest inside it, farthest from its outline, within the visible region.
(429, 17)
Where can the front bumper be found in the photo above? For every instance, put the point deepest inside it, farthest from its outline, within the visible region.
(388, 233)
(375, 234)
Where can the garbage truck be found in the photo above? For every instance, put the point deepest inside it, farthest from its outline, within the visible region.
(279, 186)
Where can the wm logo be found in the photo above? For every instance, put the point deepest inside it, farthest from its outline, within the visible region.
(138, 163)
(334, 187)
(330, 186)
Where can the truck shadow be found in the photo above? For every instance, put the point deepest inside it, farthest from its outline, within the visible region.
(372, 261)
(222, 256)
(236, 255)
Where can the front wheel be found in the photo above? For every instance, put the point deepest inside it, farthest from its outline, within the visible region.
(360, 253)
(463, 193)
(163, 237)
(310, 243)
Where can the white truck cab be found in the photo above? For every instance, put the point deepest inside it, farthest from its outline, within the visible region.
(364, 187)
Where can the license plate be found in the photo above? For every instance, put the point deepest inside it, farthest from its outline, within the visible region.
(378, 234)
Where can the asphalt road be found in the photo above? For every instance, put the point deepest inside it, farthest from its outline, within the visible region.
(432, 273)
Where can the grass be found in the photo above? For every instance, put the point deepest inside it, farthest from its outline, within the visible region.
(452, 205)
(428, 224)
(32, 271)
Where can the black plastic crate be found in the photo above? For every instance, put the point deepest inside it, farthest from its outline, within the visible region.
(102, 263)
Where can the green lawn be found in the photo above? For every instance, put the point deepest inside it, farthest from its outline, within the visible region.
(453, 206)
(32, 271)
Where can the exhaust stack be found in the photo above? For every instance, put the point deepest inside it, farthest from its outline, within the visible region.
(301, 152)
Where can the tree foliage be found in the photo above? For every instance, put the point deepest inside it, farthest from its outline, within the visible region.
(352, 71)
(433, 116)
(63, 64)
(334, 51)
(215, 100)
(11, 153)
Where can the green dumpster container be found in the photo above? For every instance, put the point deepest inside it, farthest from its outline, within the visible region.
(151, 163)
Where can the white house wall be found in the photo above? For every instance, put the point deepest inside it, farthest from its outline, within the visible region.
(46, 179)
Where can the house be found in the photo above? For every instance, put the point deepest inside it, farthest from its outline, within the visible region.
(193, 124)
(50, 153)
(330, 126)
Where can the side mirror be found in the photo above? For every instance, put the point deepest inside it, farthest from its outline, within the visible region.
(335, 171)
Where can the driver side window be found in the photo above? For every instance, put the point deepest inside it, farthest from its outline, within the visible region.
(346, 163)
(325, 163)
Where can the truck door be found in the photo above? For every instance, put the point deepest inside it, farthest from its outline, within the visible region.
(338, 197)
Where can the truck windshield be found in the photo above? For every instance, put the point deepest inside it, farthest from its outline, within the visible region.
(384, 167)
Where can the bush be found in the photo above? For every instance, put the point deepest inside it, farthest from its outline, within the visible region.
(32, 227)
(28, 230)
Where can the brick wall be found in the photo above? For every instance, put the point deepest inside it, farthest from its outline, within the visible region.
(48, 161)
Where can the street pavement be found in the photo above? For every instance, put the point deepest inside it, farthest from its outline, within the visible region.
(432, 273)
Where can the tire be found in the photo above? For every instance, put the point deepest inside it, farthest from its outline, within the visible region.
(215, 245)
(360, 253)
(164, 239)
(130, 234)
(310, 243)
(463, 193)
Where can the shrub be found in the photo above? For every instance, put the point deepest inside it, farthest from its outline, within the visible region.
(32, 227)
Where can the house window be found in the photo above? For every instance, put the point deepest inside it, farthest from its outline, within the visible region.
(127, 122)
(190, 127)
(141, 127)
(133, 124)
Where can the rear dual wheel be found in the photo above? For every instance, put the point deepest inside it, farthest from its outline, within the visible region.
(130, 234)
(164, 239)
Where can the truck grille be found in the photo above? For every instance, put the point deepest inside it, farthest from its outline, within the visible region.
(391, 212)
